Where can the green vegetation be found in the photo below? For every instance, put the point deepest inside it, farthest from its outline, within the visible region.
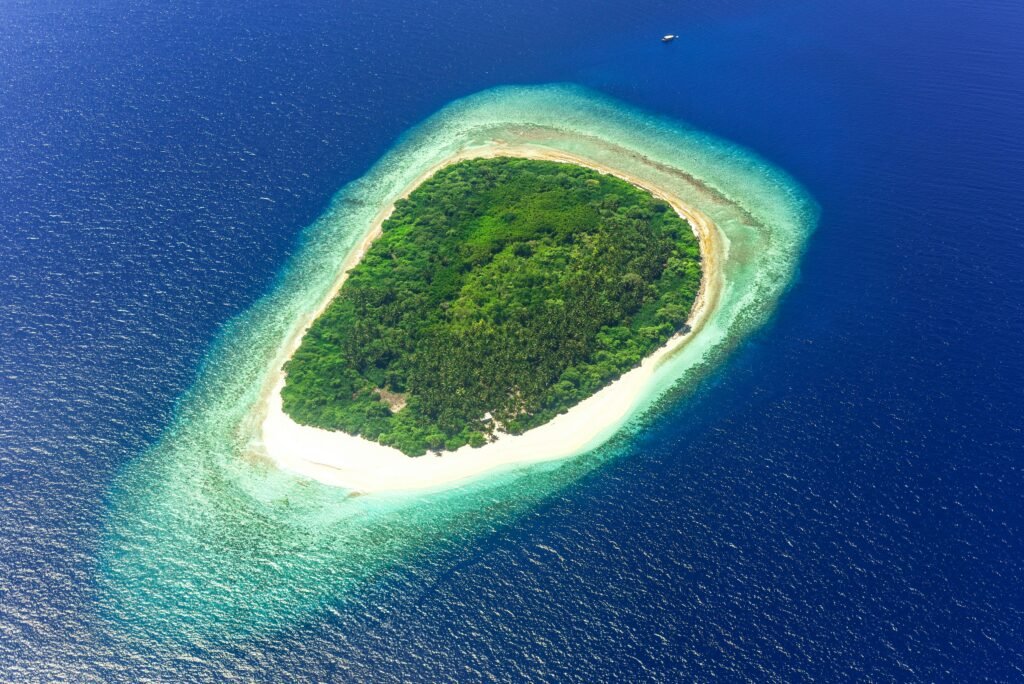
(501, 293)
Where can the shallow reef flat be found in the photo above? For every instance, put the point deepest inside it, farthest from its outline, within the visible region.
(284, 543)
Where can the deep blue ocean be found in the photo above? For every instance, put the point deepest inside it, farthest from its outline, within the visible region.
(842, 501)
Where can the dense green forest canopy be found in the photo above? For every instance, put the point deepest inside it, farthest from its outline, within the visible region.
(502, 292)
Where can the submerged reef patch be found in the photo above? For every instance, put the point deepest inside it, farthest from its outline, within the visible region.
(206, 539)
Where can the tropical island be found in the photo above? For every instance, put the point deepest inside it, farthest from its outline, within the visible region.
(501, 292)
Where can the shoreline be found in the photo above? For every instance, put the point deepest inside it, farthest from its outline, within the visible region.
(355, 463)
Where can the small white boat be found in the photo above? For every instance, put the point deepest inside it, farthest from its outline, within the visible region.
(669, 38)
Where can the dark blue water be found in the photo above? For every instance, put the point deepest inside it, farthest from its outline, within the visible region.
(842, 501)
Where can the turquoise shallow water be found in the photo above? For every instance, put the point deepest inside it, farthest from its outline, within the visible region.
(205, 541)
(840, 499)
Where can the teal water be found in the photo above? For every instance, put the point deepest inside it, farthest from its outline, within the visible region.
(206, 543)
(840, 499)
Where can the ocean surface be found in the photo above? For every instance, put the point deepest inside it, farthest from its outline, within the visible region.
(841, 499)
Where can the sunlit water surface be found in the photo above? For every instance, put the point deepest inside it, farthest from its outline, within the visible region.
(835, 495)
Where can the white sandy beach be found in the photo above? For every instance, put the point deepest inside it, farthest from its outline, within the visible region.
(339, 459)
